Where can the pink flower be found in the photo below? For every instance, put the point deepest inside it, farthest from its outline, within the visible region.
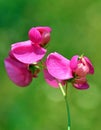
(27, 52)
(81, 66)
(58, 69)
(40, 35)
(21, 74)
(32, 50)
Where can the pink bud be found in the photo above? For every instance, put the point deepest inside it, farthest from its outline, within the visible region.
(40, 35)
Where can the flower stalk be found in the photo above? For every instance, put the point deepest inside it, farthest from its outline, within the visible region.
(67, 105)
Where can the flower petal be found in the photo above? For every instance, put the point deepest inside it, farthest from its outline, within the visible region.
(91, 68)
(26, 52)
(44, 29)
(58, 66)
(35, 35)
(81, 86)
(51, 80)
(18, 72)
(74, 62)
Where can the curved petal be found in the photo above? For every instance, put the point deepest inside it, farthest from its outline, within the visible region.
(18, 72)
(81, 86)
(26, 52)
(35, 35)
(45, 33)
(45, 38)
(51, 80)
(74, 62)
(58, 66)
(44, 29)
(91, 68)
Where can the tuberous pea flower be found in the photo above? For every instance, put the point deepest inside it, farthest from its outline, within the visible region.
(21, 65)
(21, 74)
(40, 35)
(25, 61)
(61, 70)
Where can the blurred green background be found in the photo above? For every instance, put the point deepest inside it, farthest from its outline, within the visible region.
(76, 29)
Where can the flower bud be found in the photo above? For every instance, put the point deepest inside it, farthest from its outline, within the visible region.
(40, 35)
(81, 66)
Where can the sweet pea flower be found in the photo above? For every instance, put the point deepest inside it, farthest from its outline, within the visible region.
(19, 72)
(81, 66)
(40, 35)
(58, 69)
(27, 52)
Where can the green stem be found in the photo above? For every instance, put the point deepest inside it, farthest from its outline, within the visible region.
(67, 105)
(62, 90)
(68, 112)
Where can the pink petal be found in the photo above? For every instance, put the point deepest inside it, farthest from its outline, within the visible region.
(35, 35)
(26, 52)
(51, 80)
(91, 68)
(44, 29)
(45, 33)
(18, 72)
(81, 86)
(74, 62)
(45, 38)
(58, 66)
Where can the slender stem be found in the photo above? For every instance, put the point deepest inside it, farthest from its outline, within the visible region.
(63, 92)
(68, 112)
(67, 105)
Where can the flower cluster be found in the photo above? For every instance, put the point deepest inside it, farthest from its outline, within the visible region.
(23, 62)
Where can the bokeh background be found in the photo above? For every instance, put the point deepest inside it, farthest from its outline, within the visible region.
(76, 29)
